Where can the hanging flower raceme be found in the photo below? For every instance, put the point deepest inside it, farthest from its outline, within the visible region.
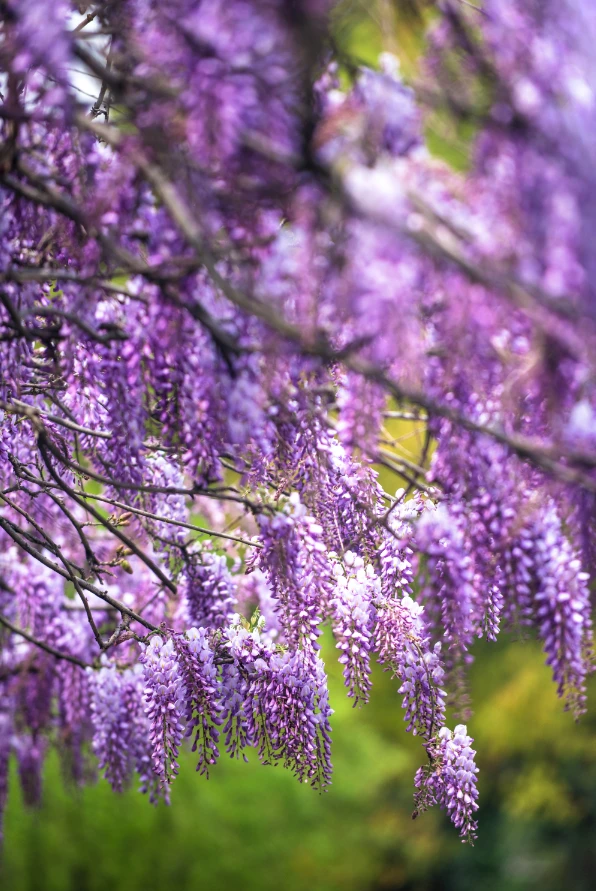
(353, 621)
(295, 561)
(395, 557)
(282, 706)
(115, 701)
(563, 611)
(450, 597)
(287, 714)
(402, 643)
(203, 703)
(6, 731)
(208, 586)
(165, 696)
(450, 779)
(31, 754)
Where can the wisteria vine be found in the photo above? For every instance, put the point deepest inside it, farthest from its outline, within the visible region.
(228, 263)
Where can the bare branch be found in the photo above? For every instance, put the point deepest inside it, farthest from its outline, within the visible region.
(42, 645)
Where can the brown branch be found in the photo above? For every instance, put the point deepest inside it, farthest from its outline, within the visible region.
(43, 443)
(548, 458)
(32, 411)
(42, 646)
(180, 523)
(18, 537)
(56, 550)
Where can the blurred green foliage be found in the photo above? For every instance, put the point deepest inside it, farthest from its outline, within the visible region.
(363, 29)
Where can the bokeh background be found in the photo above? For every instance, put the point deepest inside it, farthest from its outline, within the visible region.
(255, 828)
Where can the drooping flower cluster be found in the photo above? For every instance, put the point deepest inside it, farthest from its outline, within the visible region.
(449, 593)
(450, 779)
(115, 704)
(208, 587)
(563, 611)
(287, 716)
(353, 622)
(5, 747)
(166, 702)
(403, 645)
(284, 712)
(214, 304)
(202, 703)
(295, 560)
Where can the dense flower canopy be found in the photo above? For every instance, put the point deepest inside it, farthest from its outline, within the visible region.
(227, 259)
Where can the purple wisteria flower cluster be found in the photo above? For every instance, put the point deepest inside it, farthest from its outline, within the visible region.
(229, 265)
(353, 621)
(450, 779)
